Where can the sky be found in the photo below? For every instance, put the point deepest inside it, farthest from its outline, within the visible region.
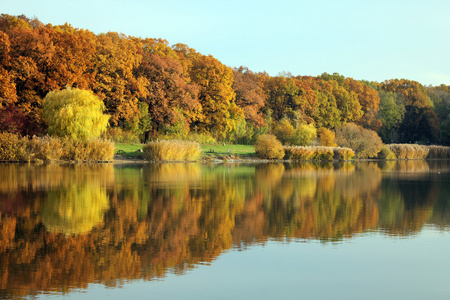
(363, 39)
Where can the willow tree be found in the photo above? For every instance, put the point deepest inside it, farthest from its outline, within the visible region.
(75, 113)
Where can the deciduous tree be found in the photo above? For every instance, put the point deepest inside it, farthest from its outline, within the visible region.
(219, 110)
(74, 113)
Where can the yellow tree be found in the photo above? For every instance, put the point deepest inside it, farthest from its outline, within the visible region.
(75, 113)
(115, 58)
(216, 95)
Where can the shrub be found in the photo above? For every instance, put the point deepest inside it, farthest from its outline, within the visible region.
(303, 135)
(284, 131)
(409, 151)
(386, 153)
(74, 113)
(13, 147)
(327, 137)
(172, 150)
(364, 142)
(267, 146)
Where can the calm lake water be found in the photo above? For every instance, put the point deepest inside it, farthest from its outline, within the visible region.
(258, 231)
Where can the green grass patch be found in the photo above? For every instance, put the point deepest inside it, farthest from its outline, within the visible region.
(219, 150)
(129, 150)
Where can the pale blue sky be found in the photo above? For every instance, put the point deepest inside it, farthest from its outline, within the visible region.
(372, 40)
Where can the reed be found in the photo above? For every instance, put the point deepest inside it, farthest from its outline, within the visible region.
(87, 150)
(16, 148)
(45, 148)
(172, 150)
(438, 152)
(409, 151)
(318, 153)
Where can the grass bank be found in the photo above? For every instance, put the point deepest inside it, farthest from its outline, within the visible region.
(131, 151)
(221, 150)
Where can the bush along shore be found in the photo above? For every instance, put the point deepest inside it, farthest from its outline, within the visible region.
(14, 148)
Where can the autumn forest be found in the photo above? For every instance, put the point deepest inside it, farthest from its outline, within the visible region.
(150, 88)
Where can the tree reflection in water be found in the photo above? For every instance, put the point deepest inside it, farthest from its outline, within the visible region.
(63, 227)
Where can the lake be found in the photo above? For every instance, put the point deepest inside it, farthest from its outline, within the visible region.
(366, 230)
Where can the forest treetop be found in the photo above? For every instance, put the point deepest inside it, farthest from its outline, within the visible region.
(150, 88)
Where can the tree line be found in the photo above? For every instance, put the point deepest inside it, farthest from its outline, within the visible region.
(150, 88)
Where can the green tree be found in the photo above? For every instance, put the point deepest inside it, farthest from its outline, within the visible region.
(392, 112)
(304, 134)
(284, 131)
(75, 113)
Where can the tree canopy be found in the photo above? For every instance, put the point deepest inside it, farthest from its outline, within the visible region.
(74, 113)
(145, 80)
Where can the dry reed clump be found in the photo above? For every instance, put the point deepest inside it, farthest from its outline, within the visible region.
(318, 153)
(438, 152)
(95, 149)
(45, 148)
(409, 151)
(172, 150)
(13, 147)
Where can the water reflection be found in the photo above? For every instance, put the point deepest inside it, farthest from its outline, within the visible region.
(63, 227)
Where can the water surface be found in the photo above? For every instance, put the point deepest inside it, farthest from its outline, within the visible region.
(192, 231)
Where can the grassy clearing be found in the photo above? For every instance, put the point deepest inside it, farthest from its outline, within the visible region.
(128, 150)
(220, 150)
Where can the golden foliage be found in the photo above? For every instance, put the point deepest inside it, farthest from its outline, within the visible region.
(267, 146)
(172, 150)
(327, 137)
(74, 113)
(75, 209)
(13, 147)
(94, 149)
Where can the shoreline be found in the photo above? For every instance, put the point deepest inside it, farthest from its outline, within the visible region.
(120, 160)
